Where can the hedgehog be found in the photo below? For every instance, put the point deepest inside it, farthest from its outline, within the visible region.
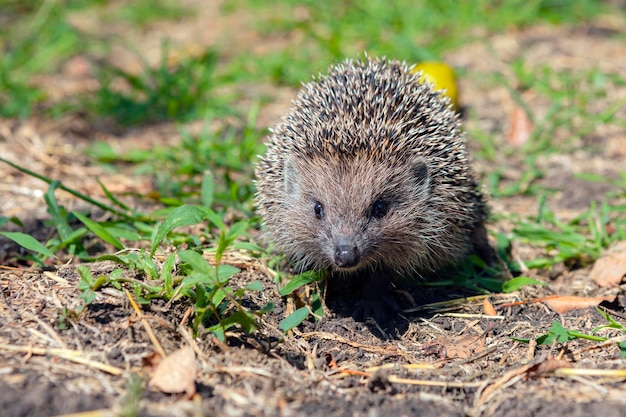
(368, 175)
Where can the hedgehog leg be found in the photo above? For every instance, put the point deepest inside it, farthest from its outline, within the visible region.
(377, 298)
(362, 295)
(481, 245)
(487, 253)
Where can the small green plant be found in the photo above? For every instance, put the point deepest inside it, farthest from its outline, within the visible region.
(559, 334)
(143, 12)
(575, 104)
(315, 309)
(582, 239)
(573, 113)
(619, 183)
(218, 163)
(32, 45)
(181, 91)
(185, 274)
(39, 37)
(70, 237)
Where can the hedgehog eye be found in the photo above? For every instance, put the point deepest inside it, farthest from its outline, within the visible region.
(380, 209)
(319, 210)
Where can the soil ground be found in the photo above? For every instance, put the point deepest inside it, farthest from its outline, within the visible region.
(453, 361)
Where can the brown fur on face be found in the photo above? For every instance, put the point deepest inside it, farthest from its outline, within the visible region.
(365, 140)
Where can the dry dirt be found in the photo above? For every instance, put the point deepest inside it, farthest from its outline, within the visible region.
(452, 361)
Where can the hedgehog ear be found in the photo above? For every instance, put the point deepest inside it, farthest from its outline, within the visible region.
(421, 174)
(290, 173)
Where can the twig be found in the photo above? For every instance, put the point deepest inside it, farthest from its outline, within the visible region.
(428, 383)
(71, 355)
(93, 413)
(473, 316)
(51, 332)
(617, 373)
(146, 325)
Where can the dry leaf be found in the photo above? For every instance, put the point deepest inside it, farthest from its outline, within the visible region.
(563, 304)
(330, 361)
(490, 310)
(464, 346)
(176, 373)
(609, 270)
(520, 128)
(547, 366)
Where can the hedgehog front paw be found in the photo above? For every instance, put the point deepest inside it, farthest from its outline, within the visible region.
(377, 301)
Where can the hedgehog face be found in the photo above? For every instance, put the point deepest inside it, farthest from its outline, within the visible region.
(369, 170)
(352, 214)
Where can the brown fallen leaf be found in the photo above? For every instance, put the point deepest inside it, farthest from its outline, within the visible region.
(565, 303)
(520, 128)
(176, 373)
(330, 361)
(464, 346)
(547, 366)
(610, 269)
(490, 310)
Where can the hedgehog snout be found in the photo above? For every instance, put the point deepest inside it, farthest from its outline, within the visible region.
(347, 254)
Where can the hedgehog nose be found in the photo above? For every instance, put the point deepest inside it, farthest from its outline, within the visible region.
(346, 256)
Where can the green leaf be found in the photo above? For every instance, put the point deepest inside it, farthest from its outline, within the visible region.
(592, 177)
(197, 262)
(301, 280)
(111, 197)
(226, 239)
(517, 283)
(180, 216)
(99, 231)
(255, 286)
(3, 220)
(267, 308)
(207, 189)
(87, 284)
(225, 271)
(557, 333)
(490, 284)
(216, 220)
(58, 217)
(28, 242)
(166, 274)
(294, 319)
(317, 306)
(123, 233)
(561, 334)
(242, 318)
(613, 324)
(123, 260)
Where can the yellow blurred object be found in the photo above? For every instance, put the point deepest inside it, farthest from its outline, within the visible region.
(442, 77)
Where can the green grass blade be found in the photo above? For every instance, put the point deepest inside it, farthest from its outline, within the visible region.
(301, 280)
(517, 283)
(99, 231)
(59, 219)
(294, 319)
(111, 197)
(207, 189)
(28, 242)
(197, 262)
